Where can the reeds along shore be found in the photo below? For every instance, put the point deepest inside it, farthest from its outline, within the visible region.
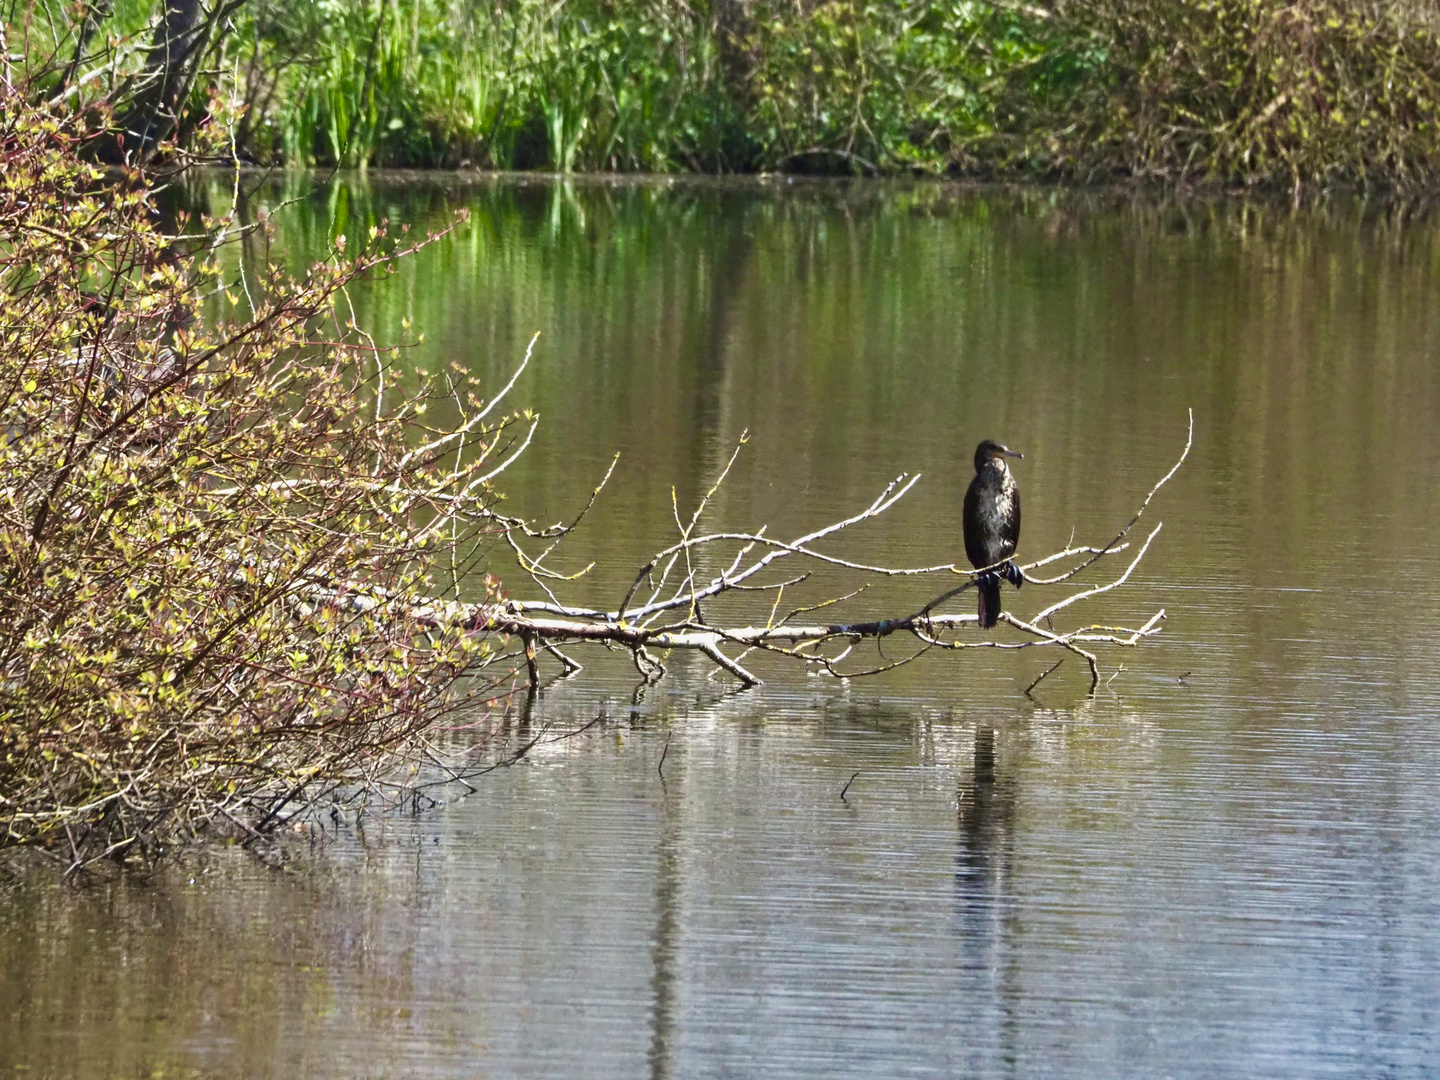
(1306, 93)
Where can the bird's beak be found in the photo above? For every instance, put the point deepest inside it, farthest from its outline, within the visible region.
(1011, 453)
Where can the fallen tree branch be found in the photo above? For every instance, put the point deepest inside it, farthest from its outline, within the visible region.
(634, 625)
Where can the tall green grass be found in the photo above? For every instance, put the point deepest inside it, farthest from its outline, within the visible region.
(659, 85)
(1291, 92)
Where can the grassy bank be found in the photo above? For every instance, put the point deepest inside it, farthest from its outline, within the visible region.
(1250, 91)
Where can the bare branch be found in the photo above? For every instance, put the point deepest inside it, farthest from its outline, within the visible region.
(635, 625)
(1041, 677)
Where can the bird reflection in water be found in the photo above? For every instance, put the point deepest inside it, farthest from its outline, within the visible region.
(987, 810)
(984, 904)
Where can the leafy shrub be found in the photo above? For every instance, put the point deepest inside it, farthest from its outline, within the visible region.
(1260, 91)
(211, 531)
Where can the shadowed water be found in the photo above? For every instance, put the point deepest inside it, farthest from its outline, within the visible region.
(1224, 863)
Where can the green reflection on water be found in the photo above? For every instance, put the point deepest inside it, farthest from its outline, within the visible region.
(860, 330)
(1006, 872)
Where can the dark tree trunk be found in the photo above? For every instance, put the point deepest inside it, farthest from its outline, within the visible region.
(734, 25)
(180, 41)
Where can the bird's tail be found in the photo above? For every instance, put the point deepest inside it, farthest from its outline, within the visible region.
(989, 591)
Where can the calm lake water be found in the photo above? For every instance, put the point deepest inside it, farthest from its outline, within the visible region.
(1224, 863)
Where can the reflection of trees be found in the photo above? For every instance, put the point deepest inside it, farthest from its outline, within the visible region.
(726, 265)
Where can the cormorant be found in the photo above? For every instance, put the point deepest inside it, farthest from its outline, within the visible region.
(992, 525)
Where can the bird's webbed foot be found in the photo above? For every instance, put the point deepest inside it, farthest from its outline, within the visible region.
(1013, 574)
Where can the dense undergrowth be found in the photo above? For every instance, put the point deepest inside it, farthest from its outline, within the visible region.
(1312, 92)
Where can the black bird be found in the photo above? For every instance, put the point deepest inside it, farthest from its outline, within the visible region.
(992, 525)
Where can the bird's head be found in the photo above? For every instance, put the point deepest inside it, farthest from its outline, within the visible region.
(990, 450)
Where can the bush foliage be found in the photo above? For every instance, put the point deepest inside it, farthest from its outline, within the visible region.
(1252, 91)
(205, 524)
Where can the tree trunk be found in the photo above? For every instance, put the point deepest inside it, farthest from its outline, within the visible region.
(180, 41)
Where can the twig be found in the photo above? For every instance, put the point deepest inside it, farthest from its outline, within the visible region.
(600, 717)
(1042, 675)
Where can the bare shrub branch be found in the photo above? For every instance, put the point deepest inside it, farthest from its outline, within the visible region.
(636, 625)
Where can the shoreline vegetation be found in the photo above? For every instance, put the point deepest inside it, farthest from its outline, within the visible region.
(1306, 95)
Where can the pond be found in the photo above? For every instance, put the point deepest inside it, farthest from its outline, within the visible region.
(1225, 862)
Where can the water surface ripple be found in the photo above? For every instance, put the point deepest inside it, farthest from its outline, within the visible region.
(1227, 863)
